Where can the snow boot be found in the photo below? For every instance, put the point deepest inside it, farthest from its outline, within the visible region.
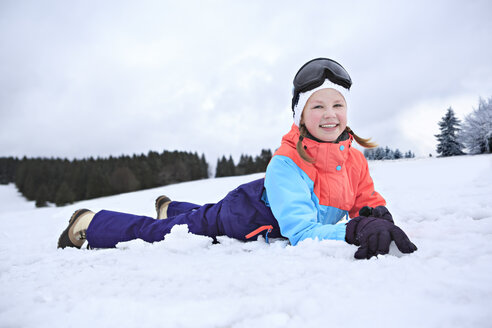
(161, 205)
(74, 234)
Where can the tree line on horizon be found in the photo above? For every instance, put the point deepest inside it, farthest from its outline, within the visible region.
(63, 181)
(474, 135)
(385, 153)
(246, 165)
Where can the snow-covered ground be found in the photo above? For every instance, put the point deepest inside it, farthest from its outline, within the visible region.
(444, 205)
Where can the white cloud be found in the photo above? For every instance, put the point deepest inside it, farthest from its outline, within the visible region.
(215, 76)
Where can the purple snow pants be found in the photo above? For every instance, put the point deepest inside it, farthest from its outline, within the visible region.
(241, 212)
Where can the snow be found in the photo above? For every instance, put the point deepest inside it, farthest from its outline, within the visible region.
(444, 205)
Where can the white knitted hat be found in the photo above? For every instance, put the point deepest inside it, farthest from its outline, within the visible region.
(304, 96)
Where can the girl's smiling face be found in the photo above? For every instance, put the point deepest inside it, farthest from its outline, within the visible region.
(325, 114)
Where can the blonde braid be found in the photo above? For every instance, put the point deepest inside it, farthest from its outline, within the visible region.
(366, 143)
(300, 148)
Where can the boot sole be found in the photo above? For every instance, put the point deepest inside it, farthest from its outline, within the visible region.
(64, 240)
(159, 202)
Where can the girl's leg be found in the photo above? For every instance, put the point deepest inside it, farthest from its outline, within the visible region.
(108, 228)
(241, 215)
(237, 215)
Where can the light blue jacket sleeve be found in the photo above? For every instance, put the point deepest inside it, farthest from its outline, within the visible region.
(290, 197)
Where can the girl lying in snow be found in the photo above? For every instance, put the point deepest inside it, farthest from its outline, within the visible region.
(314, 180)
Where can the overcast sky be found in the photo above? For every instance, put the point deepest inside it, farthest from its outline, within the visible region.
(100, 78)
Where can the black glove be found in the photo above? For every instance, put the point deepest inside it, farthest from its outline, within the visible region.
(374, 235)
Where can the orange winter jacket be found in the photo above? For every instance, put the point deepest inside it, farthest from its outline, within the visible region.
(309, 199)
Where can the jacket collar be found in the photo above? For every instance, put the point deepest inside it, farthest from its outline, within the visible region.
(324, 153)
(344, 136)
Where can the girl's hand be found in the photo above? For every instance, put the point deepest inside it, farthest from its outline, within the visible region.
(373, 235)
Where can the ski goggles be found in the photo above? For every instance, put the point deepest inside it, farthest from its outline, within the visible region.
(312, 74)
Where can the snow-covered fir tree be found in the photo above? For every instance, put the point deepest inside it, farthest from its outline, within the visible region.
(448, 138)
(388, 153)
(379, 153)
(476, 133)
